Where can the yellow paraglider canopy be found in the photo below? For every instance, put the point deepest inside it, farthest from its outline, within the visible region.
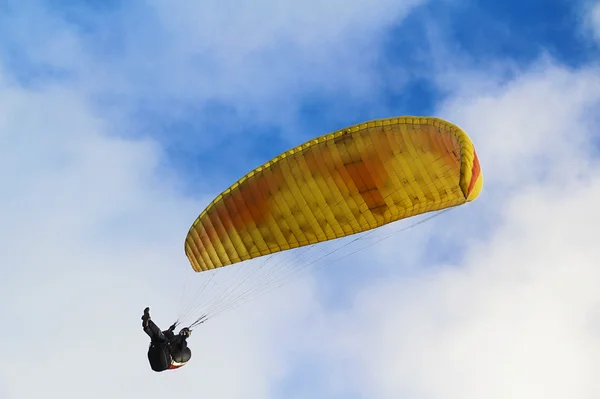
(349, 181)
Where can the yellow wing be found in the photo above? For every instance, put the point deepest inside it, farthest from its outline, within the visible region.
(342, 183)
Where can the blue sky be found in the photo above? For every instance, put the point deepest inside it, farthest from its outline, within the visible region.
(115, 33)
(122, 119)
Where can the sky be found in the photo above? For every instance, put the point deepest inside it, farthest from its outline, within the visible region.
(121, 120)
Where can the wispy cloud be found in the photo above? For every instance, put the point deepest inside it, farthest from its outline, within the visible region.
(593, 15)
(518, 315)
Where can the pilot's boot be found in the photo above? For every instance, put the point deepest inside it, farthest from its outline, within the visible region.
(146, 316)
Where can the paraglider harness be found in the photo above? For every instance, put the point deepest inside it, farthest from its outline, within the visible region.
(168, 351)
(171, 353)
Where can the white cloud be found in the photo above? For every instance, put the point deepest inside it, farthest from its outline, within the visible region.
(256, 57)
(94, 223)
(519, 316)
(540, 120)
(93, 231)
(519, 319)
(259, 47)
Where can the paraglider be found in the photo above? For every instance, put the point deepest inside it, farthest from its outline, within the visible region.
(167, 351)
(343, 183)
(351, 182)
